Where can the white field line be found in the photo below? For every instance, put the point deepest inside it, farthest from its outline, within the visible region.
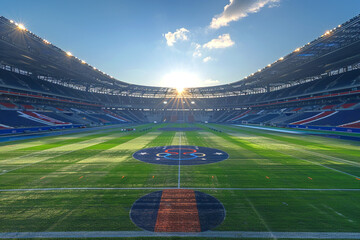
(161, 188)
(333, 169)
(262, 220)
(179, 160)
(208, 234)
(336, 159)
(318, 155)
(319, 164)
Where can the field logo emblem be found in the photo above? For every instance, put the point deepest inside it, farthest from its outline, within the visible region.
(186, 154)
(180, 155)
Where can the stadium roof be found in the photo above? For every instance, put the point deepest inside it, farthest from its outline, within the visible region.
(336, 48)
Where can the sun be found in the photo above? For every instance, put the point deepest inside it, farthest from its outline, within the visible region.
(180, 80)
(179, 90)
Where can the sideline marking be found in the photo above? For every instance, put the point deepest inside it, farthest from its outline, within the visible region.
(211, 234)
(162, 188)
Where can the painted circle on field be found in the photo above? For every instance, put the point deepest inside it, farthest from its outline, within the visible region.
(177, 210)
(180, 155)
(180, 129)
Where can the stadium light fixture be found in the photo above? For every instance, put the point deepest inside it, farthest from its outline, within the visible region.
(69, 54)
(281, 58)
(21, 27)
(83, 62)
(46, 41)
(297, 50)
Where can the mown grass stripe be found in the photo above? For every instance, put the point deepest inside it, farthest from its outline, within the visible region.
(54, 142)
(297, 165)
(77, 142)
(51, 163)
(337, 164)
(336, 151)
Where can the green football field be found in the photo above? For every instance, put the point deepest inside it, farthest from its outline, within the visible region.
(272, 182)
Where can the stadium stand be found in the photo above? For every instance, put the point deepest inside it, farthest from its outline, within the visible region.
(318, 85)
(355, 124)
(314, 118)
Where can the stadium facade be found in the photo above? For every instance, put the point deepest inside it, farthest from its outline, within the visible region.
(315, 86)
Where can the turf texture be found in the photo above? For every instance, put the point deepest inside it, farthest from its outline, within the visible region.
(270, 182)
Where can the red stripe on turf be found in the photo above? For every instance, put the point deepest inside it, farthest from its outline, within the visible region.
(178, 212)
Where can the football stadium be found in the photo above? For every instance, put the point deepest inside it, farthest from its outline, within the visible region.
(274, 155)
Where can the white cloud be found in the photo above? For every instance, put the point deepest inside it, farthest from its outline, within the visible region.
(179, 34)
(197, 52)
(238, 9)
(207, 59)
(223, 41)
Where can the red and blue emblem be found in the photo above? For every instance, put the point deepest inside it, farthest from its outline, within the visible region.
(177, 210)
(180, 155)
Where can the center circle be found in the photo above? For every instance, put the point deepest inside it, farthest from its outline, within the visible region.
(180, 155)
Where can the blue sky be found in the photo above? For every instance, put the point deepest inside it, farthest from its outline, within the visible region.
(157, 42)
